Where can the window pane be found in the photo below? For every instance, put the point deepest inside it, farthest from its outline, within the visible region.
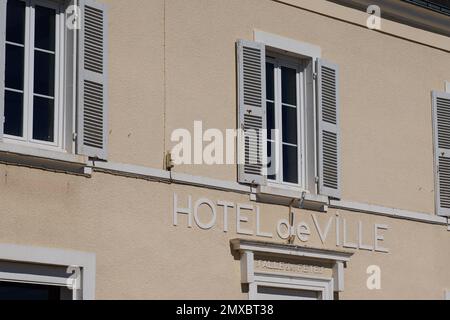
(44, 73)
(13, 114)
(14, 67)
(45, 28)
(271, 165)
(22, 291)
(289, 85)
(270, 119)
(289, 124)
(43, 119)
(15, 21)
(290, 164)
(270, 87)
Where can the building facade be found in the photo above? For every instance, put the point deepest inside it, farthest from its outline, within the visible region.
(239, 149)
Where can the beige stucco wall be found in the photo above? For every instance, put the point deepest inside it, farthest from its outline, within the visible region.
(386, 81)
(140, 254)
(173, 62)
(136, 82)
(386, 85)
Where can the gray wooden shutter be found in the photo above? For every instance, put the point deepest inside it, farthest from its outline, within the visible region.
(441, 133)
(2, 63)
(251, 58)
(328, 126)
(92, 130)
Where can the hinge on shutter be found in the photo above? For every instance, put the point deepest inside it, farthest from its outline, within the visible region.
(74, 136)
(315, 75)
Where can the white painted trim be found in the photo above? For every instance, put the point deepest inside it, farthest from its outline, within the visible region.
(224, 185)
(290, 45)
(326, 286)
(281, 190)
(291, 250)
(55, 257)
(388, 212)
(447, 295)
(147, 173)
(34, 279)
(247, 267)
(338, 276)
(447, 86)
(32, 151)
(322, 286)
(128, 170)
(280, 61)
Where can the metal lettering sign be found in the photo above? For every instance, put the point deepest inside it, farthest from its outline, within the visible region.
(347, 234)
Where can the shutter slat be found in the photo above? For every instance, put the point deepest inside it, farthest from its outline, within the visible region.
(329, 133)
(441, 132)
(92, 110)
(252, 110)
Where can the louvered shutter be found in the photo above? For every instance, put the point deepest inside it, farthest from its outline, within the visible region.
(2, 63)
(328, 126)
(441, 129)
(92, 82)
(252, 110)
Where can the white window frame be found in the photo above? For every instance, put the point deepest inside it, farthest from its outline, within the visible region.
(86, 262)
(307, 53)
(28, 94)
(323, 287)
(33, 276)
(279, 61)
(254, 278)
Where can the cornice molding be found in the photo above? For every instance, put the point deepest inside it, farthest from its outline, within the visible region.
(407, 13)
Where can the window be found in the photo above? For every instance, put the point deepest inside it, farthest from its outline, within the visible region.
(33, 110)
(26, 291)
(288, 103)
(34, 273)
(284, 111)
(54, 97)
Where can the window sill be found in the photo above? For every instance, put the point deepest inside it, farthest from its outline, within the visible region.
(288, 196)
(28, 156)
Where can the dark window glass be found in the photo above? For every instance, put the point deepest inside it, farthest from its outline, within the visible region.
(14, 67)
(15, 21)
(270, 87)
(43, 119)
(284, 292)
(270, 120)
(290, 163)
(289, 124)
(45, 28)
(271, 167)
(22, 291)
(289, 85)
(13, 113)
(44, 73)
